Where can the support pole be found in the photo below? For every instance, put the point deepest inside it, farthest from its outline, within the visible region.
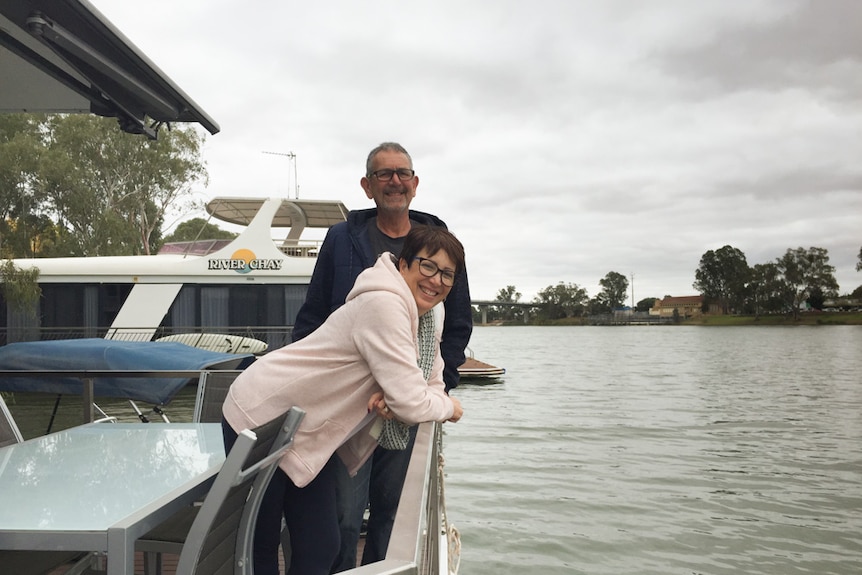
(87, 396)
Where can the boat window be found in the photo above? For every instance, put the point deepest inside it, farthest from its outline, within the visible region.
(183, 313)
(113, 297)
(294, 297)
(62, 305)
(214, 306)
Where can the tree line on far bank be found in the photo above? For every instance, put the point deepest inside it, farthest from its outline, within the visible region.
(74, 185)
(725, 280)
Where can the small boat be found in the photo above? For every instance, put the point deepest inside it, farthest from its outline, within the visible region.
(472, 369)
(218, 342)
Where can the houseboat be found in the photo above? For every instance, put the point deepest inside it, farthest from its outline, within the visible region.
(250, 287)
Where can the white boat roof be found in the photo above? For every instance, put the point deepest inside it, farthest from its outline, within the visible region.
(260, 216)
(291, 212)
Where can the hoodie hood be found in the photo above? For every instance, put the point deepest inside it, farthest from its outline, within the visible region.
(379, 277)
(384, 276)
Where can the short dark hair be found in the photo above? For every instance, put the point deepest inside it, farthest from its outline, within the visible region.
(433, 239)
(386, 147)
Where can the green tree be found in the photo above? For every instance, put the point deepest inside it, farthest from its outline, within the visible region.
(766, 289)
(20, 288)
(108, 191)
(599, 305)
(20, 150)
(804, 271)
(509, 295)
(816, 298)
(722, 277)
(614, 288)
(859, 262)
(30, 235)
(646, 304)
(562, 300)
(198, 229)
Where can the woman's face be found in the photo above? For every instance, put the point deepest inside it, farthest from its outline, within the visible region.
(428, 291)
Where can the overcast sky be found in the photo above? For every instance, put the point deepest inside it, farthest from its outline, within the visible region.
(559, 139)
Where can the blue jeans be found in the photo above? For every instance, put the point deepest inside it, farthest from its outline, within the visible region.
(351, 499)
(310, 516)
(377, 485)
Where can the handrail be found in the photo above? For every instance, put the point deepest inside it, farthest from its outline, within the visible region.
(86, 373)
(276, 335)
(414, 547)
(87, 384)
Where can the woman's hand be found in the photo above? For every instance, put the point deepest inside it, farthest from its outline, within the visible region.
(379, 404)
(459, 411)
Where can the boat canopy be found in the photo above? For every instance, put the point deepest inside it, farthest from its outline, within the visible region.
(96, 354)
(64, 56)
(291, 213)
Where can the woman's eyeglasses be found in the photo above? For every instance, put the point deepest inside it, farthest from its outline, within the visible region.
(429, 269)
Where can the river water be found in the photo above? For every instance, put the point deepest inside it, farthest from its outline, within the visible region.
(660, 450)
(646, 450)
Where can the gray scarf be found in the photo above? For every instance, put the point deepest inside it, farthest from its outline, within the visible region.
(396, 434)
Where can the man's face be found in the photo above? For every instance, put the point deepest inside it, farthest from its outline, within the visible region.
(395, 195)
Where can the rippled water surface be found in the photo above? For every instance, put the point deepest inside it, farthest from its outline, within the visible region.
(666, 450)
(644, 450)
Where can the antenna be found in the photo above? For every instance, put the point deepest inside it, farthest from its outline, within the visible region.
(291, 158)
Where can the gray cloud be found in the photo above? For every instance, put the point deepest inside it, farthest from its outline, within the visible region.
(559, 139)
(814, 45)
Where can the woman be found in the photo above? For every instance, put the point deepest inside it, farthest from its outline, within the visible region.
(368, 362)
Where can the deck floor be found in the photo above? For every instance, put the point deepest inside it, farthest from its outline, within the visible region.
(169, 562)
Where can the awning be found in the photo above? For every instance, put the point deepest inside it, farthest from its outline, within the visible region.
(96, 354)
(291, 213)
(65, 56)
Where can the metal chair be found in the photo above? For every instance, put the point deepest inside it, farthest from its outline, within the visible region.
(9, 432)
(212, 391)
(216, 538)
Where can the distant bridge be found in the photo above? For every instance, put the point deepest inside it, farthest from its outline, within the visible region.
(483, 306)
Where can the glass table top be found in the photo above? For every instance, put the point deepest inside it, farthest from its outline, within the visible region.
(93, 476)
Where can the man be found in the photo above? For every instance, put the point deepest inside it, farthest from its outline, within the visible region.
(349, 248)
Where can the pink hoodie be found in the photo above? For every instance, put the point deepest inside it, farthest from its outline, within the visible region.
(366, 345)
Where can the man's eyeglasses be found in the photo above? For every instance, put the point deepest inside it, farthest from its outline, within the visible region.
(385, 175)
(429, 269)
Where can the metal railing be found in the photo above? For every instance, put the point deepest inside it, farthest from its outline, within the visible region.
(416, 546)
(274, 336)
(87, 378)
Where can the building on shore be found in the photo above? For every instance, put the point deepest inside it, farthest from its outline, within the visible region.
(686, 306)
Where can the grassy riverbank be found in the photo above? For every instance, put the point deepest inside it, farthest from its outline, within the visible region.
(807, 318)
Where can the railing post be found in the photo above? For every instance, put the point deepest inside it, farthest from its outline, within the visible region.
(87, 396)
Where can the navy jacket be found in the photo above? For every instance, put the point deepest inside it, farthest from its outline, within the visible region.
(345, 252)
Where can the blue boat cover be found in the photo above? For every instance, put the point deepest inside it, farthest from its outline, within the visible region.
(96, 354)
